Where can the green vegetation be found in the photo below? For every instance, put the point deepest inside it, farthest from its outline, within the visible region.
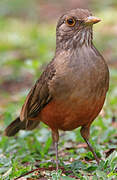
(25, 48)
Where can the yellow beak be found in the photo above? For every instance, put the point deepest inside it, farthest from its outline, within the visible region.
(91, 20)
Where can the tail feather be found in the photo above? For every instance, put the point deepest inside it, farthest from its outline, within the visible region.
(17, 125)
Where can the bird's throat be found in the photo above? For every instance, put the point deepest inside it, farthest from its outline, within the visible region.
(80, 38)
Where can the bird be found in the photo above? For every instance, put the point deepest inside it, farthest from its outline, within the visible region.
(71, 91)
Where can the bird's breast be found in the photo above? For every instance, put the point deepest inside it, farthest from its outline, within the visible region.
(79, 75)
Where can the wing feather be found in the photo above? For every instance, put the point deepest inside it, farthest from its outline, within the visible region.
(39, 95)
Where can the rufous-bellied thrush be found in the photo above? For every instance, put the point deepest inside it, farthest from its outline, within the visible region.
(71, 91)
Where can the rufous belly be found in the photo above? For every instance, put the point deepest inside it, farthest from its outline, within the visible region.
(68, 116)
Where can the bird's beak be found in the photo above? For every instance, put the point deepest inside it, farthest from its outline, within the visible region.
(91, 20)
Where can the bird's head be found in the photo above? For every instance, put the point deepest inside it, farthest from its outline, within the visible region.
(74, 28)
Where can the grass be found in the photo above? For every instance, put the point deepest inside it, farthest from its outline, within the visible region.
(25, 49)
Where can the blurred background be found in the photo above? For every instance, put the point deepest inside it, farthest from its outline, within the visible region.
(27, 44)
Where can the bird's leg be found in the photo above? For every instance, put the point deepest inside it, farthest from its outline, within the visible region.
(55, 137)
(85, 134)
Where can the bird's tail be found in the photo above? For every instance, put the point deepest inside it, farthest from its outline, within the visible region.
(17, 125)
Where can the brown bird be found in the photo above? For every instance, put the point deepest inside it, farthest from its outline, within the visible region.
(71, 91)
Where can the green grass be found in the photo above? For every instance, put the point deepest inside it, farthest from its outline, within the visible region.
(25, 49)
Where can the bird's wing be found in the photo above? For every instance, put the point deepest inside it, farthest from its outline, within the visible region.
(39, 95)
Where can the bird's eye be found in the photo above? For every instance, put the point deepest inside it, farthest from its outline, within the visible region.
(70, 21)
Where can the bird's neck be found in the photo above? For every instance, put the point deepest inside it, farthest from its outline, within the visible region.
(82, 38)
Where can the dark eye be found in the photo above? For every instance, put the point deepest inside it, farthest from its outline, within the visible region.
(70, 21)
